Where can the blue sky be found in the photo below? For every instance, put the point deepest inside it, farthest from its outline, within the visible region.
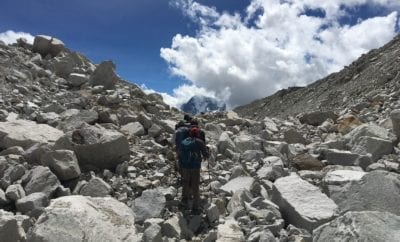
(233, 50)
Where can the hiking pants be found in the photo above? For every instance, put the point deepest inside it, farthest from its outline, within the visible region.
(191, 183)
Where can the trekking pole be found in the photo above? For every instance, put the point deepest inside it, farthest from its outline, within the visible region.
(209, 178)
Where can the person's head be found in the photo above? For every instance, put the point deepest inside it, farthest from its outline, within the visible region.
(179, 124)
(194, 132)
(187, 117)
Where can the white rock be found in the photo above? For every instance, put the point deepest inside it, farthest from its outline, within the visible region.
(301, 203)
(230, 231)
(134, 128)
(96, 187)
(45, 45)
(10, 229)
(32, 201)
(76, 79)
(341, 177)
(63, 163)
(242, 182)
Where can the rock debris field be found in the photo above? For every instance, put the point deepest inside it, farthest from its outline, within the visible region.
(87, 156)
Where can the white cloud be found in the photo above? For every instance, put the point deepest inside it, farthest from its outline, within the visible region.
(10, 37)
(273, 46)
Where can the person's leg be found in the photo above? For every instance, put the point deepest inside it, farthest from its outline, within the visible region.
(195, 183)
(185, 184)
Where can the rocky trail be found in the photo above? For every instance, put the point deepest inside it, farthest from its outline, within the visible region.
(87, 156)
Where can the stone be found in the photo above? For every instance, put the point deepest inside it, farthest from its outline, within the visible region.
(155, 131)
(246, 142)
(145, 120)
(342, 177)
(306, 162)
(360, 226)
(41, 179)
(316, 118)
(212, 213)
(72, 218)
(272, 169)
(15, 150)
(347, 123)
(48, 118)
(340, 157)
(270, 125)
(26, 133)
(12, 174)
(375, 191)
(132, 129)
(238, 200)
(77, 79)
(395, 118)
(96, 187)
(301, 203)
(47, 45)
(234, 185)
(377, 147)
(15, 192)
(3, 198)
(10, 227)
(370, 130)
(104, 75)
(291, 136)
(63, 163)
(230, 231)
(176, 227)
(149, 205)
(153, 233)
(96, 147)
(225, 143)
(31, 202)
(74, 119)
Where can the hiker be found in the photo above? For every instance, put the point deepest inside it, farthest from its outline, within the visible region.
(181, 132)
(194, 123)
(192, 151)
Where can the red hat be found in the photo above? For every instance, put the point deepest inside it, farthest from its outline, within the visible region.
(194, 132)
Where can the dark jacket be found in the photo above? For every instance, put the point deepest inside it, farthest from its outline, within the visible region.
(201, 153)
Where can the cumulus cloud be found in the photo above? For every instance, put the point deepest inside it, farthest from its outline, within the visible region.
(273, 45)
(10, 37)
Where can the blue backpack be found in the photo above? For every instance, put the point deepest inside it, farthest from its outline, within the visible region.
(189, 156)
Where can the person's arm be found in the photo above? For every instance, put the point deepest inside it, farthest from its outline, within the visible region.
(203, 148)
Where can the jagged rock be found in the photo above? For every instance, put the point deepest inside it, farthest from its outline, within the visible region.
(272, 169)
(31, 202)
(246, 142)
(176, 227)
(149, 205)
(307, 162)
(270, 125)
(234, 185)
(41, 179)
(15, 150)
(317, 118)
(3, 198)
(11, 174)
(26, 133)
(105, 75)
(63, 163)
(360, 226)
(347, 123)
(96, 187)
(153, 233)
(238, 199)
(230, 231)
(301, 203)
(225, 143)
(370, 130)
(72, 218)
(47, 45)
(15, 192)
(342, 177)
(212, 213)
(74, 118)
(133, 129)
(11, 227)
(371, 145)
(291, 136)
(395, 118)
(145, 120)
(376, 191)
(341, 157)
(77, 80)
(96, 147)
(49, 118)
(155, 131)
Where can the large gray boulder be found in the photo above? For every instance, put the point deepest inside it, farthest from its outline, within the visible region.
(341, 157)
(375, 191)
(246, 142)
(149, 205)
(134, 128)
(77, 79)
(77, 218)
(370, 130)
(230, 231)
(360, 226)
(37, 200)
(377, 147)
(395, 118)
(316, 118)
(41, 179)
(301, 203)
(26, 133)
(96, 187)
(105, 75)
(241, 182)
(63, 163)
(225, 143)
(96, 147)
(47, 45)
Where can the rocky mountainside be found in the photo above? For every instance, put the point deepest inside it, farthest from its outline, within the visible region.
(202, 104)
(86, 156)
(358, 85)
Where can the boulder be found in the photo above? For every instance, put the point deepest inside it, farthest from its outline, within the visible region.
(132, 129)
(316, 118)
(41, 179)
(342, 177)
(149, 205)
(34, 201)
(272, 169)
(47, 45)
(96, 187)
(105, 75)
(96, 147)
(230, 231)
(375, 191)
(340, 157)
(347, 123)
(72, 218)
(246, 142)
(176, 227)
(238, 200)
(360, 226)
(26, 133)
(291, 136)
(15, 192)
(395, 118)
(77, 79)
(242, 182)
(225, 143)
(63, 163)
(370, 130)
(307, 162)
(153, 233)
(377, 147)
(11, 174)
(270, 125)
(74, 118)
(301, 203)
